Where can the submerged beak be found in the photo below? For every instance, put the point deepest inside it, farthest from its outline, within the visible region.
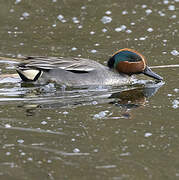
(147, 71)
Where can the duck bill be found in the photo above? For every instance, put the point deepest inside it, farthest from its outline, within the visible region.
(147, 71)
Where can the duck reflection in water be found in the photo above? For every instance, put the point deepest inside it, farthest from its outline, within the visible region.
(126, 99)
(134, 98)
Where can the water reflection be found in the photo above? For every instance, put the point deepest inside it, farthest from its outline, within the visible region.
(52, 96)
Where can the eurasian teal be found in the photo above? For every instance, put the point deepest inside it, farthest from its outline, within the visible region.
(79, 71)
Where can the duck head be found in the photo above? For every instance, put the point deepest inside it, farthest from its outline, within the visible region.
(129, 61)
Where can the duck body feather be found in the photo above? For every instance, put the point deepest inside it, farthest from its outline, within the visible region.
(69, 71)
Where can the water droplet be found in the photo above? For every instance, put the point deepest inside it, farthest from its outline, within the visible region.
(144, 6)
(80, 27)
(92, 32)
(43, 122)
(161, 13)
(7, 126)
(150, 29)
(171, 7)
(175, 104)
(108, 12)
(17, 1)
(8, 153)
(173, 16)
(73, 48)
(104, 30)
(25, 14)
(93, 51)
(23, 154)
(176, 90)
(124, 12)
(128, 31)
(142, 38)
(60, 17)
(148, 134)
(148, 11)
(20, 141)
(175, 52)
(76, 150)
(75, 20)
(165, 2)
(106, 19)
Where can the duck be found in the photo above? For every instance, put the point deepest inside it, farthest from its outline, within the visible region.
(121, 67)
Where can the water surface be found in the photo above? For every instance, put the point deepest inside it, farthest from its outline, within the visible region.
(52, 132)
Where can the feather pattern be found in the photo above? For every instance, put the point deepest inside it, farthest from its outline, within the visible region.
(68, 64)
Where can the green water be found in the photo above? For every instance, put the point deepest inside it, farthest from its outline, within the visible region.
(92, 133)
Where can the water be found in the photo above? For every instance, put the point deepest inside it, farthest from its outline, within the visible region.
(53, 132)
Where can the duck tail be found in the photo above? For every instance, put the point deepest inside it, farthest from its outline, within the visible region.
(29, 75)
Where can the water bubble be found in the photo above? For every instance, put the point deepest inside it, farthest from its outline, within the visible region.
(7, 126)
(108, 12)
(80, 27)
(23, 154)
(60, 17)
(128, 31)
(175, 52)
(44, 122)
(106, 19)
(144, 6)
(29, 159)
(171, 7)
(118, 29)
(173, 16)
(11, 10)
(92, 32)
(94, 103)
(75, 20)
(17, 1)
(73, 48)
(124, 12)
(8, 153)
(176, 90)
(76, 150)
(148, 134)
(175, 104)
(83, 7)
(121, 28)
(142, 38)
(97, 44)
(93, 51)
(25, 14)
(150, 29)
(101, 114)
(104, 30)
(161, 13)
(20, 141)
(148, 11)
(165, 2)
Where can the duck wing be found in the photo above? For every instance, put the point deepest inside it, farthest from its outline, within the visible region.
(69, 64)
